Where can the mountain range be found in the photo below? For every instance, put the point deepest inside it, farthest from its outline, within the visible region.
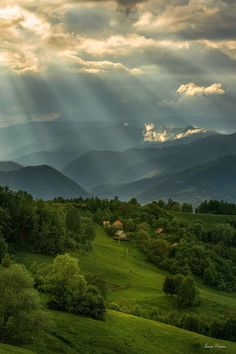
(42, 182)
(72, 159)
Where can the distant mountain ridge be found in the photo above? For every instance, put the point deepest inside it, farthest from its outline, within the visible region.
(110, 159)
(9, 166)
(215, 179)
(42, 182)
(107, 167)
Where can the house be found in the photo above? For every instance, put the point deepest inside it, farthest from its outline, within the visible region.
(159, 231)
(174, 245)
(106, 224)
(120, 235)
(118, 224)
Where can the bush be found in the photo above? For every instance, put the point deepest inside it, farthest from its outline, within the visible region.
(69, 290)
(114, 306)
(21, 316)
(91, 303)
(187, 293)
(137, 311)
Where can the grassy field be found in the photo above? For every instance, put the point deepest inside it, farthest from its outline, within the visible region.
(131, 281)
(121, 333)
(10, 349)
(205, 219)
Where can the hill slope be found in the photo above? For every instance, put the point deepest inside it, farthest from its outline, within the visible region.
(10, 349)
(131, 281)
(213, 180)
(97, 167)
(108, 167)
(42, 182)
(121, 334)
(9, 166)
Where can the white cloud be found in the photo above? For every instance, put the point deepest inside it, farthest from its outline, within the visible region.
(92, 66)
(192, 89)
(152, 133)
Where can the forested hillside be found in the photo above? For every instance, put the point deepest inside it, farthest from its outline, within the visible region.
(87, 257)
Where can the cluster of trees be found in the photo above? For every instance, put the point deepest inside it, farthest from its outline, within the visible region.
(22, 315)
(43, 227)
(184, 288)
(216, 207)
(177, 247)
(222, 327)
(176, 206)
(207, 253)
(69, 290)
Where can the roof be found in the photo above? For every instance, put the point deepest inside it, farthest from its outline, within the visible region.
(120, 235)
(159, 230)
(117, 223)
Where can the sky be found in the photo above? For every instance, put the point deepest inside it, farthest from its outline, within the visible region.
(167, 62)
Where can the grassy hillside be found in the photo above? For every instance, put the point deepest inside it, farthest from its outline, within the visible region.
(10, 349)
(132, 280)
(121, 333)
(205, 219)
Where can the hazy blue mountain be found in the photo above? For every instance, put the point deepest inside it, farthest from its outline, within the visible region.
(213, 180)
(66, 136)
(56, 159)
(179, 157)
(9, 166)
(99, 167)
(44, 142)
(42, 182)
(106, 167)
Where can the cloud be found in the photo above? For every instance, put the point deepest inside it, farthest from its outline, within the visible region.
(164, 34)
(152, 133)
(129, 5)
(192, 89)
(194, 19)
(95, 67)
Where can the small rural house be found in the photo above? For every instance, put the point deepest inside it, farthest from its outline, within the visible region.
(106, 224)
(174, 245)
(120, 235)
(118, 224)
(159, 231)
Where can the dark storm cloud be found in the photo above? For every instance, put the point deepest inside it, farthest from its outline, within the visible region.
(191, 20)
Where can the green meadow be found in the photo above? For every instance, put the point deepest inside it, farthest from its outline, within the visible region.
(131, 281)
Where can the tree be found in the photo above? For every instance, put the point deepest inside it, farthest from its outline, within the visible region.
(187, 293)
(169, 286)
(48, 234)
(21, 316)
(210, 275)
(91, 303)
(3, 248)
(187, 208)
(98, 280)
(64, 283)
(69, 290)
(73, 222)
